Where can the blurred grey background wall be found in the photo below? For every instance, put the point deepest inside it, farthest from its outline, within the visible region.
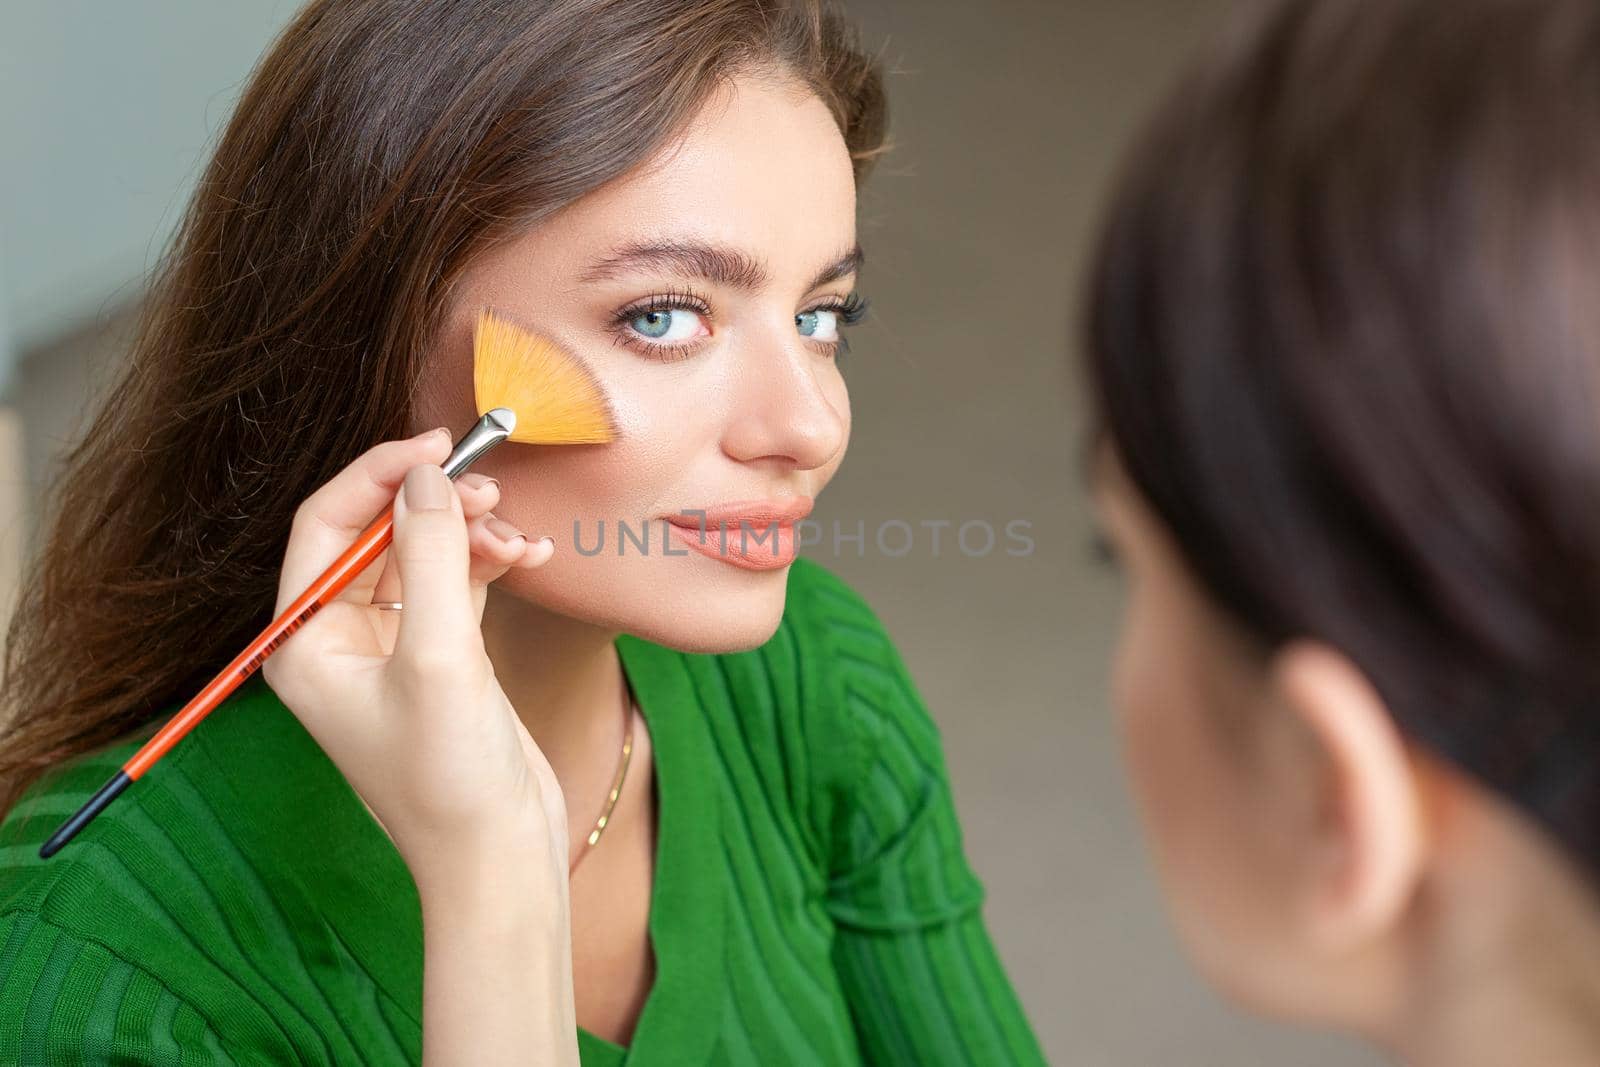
(1008, 119)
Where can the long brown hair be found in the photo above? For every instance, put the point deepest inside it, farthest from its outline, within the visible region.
(378, 147)
(1343, 337)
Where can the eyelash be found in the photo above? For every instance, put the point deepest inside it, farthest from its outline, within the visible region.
(671, 300)
(850, 309)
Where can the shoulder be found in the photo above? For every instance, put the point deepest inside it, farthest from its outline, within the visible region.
(28, 881)
(860, 686)
(826, 674)
(817, 596)
(100, 920)
(127, 873)
(814, 709)
(883, 813)
(171, 823)
(826, 636)
(832, 626)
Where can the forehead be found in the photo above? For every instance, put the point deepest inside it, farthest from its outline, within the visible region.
(762, 167)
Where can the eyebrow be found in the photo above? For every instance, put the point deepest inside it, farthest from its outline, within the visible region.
(714, 263)
(843, 267)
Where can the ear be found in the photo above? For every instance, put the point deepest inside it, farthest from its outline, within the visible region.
(1368, 847)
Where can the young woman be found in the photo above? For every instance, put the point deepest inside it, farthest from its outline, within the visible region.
(365, 857)
(1346, 356)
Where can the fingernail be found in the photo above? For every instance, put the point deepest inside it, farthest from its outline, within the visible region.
(503, 529)
(478, 481)
(430, 433)
(427, 489)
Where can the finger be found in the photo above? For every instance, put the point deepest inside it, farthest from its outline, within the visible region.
(538, 554)
(534, 554)
(496, 545)
(484, 570)
(380, 583)
(494, 550)
(331, 518)
(494, 542)
(386, 587)
(479, 493)
(385, 626)
(438, 626)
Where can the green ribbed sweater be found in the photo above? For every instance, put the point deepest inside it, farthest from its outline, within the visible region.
(811, 905)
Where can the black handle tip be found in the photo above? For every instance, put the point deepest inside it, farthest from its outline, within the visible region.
(95, 805)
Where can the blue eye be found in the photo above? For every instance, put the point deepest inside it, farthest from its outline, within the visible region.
(668, 324)
(819, 325)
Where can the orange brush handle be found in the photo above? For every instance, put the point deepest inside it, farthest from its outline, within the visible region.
(355, 559)
(493, 428)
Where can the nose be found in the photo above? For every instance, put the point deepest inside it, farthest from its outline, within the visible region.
(782, 410)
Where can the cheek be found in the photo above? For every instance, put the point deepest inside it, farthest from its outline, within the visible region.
(571, 493)
(635, 477)
(838, 395)
(668, 457)
(1207, 816)
(1171, 764)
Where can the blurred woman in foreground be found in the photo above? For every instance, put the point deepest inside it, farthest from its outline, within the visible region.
(1344, 345)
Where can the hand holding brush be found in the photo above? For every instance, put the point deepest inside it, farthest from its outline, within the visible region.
(422, 730)
(425, 735)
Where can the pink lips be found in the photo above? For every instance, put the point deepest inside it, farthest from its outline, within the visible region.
(756, 535)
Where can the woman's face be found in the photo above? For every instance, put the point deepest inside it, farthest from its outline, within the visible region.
(707, 291)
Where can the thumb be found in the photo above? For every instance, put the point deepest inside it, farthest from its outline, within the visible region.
(431, 554)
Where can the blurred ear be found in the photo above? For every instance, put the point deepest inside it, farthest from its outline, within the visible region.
(1366, 851)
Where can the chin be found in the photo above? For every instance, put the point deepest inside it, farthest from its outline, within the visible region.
(690, 604)
(740, 635)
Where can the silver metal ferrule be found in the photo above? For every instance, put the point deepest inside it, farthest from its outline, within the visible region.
(489, 431)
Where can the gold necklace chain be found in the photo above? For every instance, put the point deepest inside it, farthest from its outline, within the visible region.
(616, 785)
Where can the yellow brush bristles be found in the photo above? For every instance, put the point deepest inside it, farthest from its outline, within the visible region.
(556, 398)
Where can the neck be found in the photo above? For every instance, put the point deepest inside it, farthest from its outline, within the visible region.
(1494, 1019)
(1504, 961)
(565, 680)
